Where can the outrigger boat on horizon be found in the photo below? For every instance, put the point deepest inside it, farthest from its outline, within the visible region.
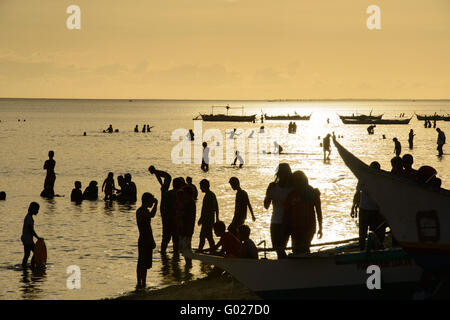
(433, 117)
(287, 117)
(226, 117)
(376, 121)
(359, 116)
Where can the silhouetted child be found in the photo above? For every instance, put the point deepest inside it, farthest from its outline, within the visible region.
(76, 195)
(28, 233)
(248, 247)
(91, 192)
(231, 246)
(108, 186)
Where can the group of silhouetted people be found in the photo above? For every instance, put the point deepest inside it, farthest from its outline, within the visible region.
(110, 129)
(292, 128)
(427, 123)
(145, 128)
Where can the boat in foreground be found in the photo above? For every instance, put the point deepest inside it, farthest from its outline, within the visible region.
(323, 275)
(419, 216)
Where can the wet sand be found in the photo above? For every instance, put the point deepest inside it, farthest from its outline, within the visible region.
(223, 287)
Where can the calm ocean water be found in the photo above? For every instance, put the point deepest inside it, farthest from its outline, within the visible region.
(102, 239)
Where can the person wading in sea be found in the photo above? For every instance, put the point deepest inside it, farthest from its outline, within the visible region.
(440, 141)
(397, 147)
(240, 208)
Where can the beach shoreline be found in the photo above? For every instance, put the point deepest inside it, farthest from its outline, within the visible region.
(223, 287)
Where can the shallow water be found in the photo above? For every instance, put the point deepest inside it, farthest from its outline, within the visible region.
(102, 239)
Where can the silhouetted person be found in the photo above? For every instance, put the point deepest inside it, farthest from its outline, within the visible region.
(2, 195)
(240, 207)
(148, 128)
(194, 188)
(119, 195)
(110, 129)
(50, 177)
(28, 233)
(186, 221)
(277, 148)
(408, 171)
(84, 133)
(248, 247)
(411, 138)
(261, 129)
(397, 147)
(276, 195)
(91, 192)
(302, 206)
(440, 141)
(76, 195)
(397, 166)
(371, 128)
(146, 242)
(238, 158)
(108, 186)
(143, 128)
(230, 244)
(369, 213)
(205, 159)
(191, 135)
(434, 123)
(326, 147)
(136, 129)
(167, 208)
(130, 194)
(209, 214)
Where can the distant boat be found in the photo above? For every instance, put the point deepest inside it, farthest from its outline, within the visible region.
(322, 275)
(288, 117)
(227, 117)
(418, 216)
(361, 117)
(433, 117)
(376, 121)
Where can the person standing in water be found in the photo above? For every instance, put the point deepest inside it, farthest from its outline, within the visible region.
(50, 177)
(28, 233)
(440, 141)
(238, 158)
(210, 211)
(205, 160)
(397, 147)
(108, 186)
(146, 242)
(136, 129)
(411, 139)
(326, 147)
(240, 208)
(276, 195)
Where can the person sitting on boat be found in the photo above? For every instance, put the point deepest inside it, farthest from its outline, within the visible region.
(276, 195)
(302, 206)
(231, 246)
(369, 214)
(248, 247)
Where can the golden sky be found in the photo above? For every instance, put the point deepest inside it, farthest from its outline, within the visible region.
(225, 49)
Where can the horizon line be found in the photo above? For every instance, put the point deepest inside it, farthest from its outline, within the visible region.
(267, 100)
